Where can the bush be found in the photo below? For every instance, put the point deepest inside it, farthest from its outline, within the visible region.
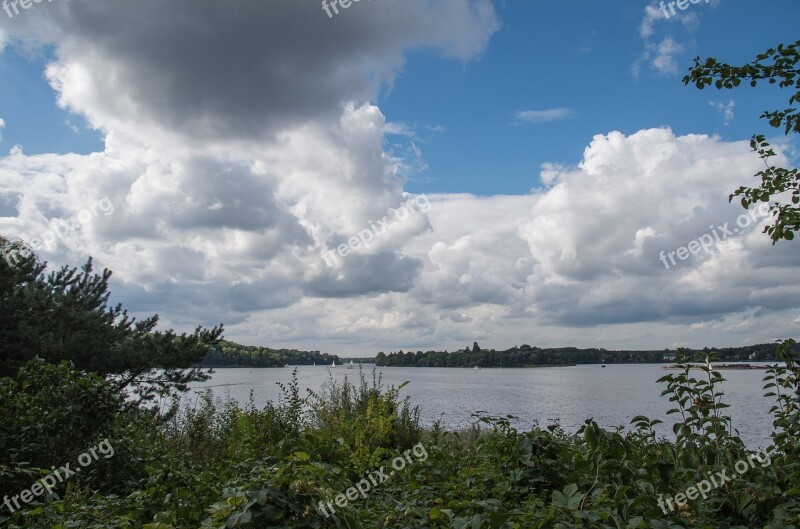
(49, 414)
(369, 421)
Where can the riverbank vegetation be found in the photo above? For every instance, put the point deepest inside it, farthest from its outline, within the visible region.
(219, 464)
(231, 354)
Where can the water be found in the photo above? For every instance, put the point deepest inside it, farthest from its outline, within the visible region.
(612, 396)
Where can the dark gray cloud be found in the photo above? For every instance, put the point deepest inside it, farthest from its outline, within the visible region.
(244, 69)
(367, 274)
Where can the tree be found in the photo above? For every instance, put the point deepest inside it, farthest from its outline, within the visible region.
(775, 66)
(64, 316)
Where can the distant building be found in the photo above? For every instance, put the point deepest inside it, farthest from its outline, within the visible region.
(669, 357)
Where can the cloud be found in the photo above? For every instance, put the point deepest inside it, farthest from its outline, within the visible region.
(201, 240)
(663, 11)
(542, 116)
(726, 109)
(661, 57)
(2, 126)
(647, 192)
(578, 262)
(651, 15)
(664, 61)
(221, 73)
(398, 129)
(661, 51)
(237, 150)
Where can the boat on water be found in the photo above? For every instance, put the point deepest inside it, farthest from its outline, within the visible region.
(351, 365)
(333, 364)
(475, 368)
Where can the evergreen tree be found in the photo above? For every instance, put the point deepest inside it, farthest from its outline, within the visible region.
(64, 315)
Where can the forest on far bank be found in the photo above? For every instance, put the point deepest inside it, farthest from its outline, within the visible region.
(232, 354)
(527, 356)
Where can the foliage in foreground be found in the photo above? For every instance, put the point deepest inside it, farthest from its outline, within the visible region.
(216, 464)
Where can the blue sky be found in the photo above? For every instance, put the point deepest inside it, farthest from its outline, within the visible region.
(559, 55)
(29, 106)
(220, 157)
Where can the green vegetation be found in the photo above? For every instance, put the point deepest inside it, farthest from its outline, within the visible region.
(527, 356)
(227, 353)
(218, 464)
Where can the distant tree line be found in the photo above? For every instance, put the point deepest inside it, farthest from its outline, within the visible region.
(527, 356)
(233, 354)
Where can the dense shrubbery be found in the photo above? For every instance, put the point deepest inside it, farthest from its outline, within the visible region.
(48, 415)
(211, 463)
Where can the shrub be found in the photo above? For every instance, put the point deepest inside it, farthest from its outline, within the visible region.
(49, 414)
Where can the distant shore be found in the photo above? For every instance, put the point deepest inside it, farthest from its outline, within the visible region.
(740, 366)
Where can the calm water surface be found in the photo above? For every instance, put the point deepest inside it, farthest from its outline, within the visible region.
(612, 396)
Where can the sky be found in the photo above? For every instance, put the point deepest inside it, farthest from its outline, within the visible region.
(402, 175)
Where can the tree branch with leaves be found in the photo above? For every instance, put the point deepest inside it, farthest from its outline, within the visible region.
(776, 66)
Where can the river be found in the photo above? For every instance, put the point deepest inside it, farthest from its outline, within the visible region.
(612, 396)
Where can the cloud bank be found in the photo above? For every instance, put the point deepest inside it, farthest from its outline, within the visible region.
(239, 149)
